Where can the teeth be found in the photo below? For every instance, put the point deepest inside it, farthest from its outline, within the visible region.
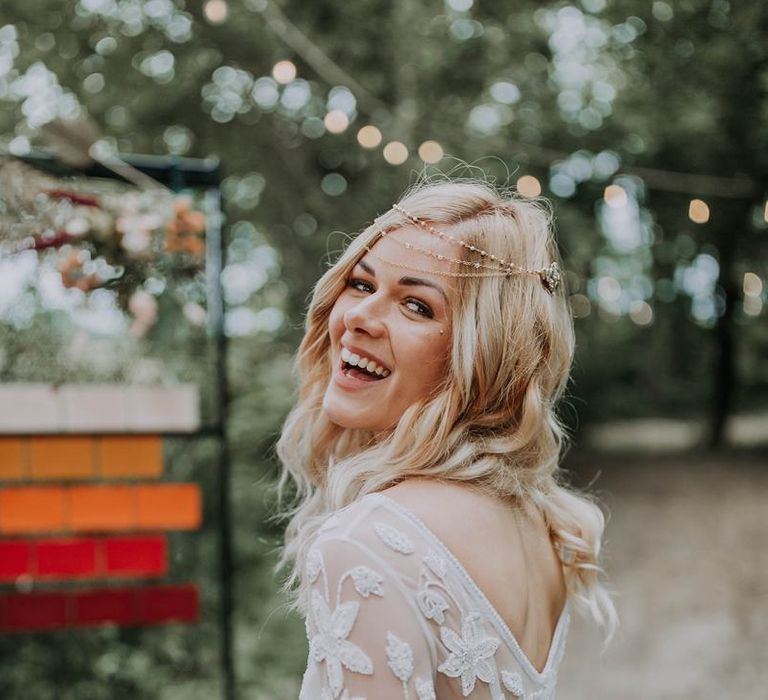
(363, 362)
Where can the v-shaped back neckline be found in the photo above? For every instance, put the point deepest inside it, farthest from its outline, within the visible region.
(509, 637)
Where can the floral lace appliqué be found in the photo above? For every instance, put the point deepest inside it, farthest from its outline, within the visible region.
(394, 538)
(470, 655)
(330, 643)
(367, 581)
(399, 657)
(425, 689)
(435, 562)
(432, 604)
(314, 565)
(513, 682)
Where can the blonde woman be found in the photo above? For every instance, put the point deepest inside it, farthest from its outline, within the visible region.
(434, 552)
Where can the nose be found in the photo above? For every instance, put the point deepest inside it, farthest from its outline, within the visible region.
(365, 317)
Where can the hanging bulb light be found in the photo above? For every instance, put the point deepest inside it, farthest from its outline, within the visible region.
(615, 196)
(528, 186)
(369, 136)
(431, 152)
(698, 211)
(395, 153)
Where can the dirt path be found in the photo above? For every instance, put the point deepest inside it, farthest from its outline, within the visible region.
(687, 547)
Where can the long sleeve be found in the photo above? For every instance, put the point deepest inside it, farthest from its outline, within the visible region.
(367, 639)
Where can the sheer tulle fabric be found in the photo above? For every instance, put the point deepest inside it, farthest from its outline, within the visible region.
(393, 614)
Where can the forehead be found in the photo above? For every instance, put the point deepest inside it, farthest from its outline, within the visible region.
(412, 251)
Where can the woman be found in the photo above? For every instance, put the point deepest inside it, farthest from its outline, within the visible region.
(435, 553)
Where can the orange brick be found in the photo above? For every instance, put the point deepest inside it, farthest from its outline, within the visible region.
(126, 456)
(62, 457)
(102, 508)
(12, 458)
(26, 510)
(169, 507)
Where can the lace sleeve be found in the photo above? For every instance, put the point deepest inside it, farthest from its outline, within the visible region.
(366, 638)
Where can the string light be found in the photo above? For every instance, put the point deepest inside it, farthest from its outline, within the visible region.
(395, 153)
(336, 121)
(753, 285)
(615, 196)
(367, 139)
(528, 186)
(431, 152)
(216, 11)
(698, 211)
(284, 72)
(369, 136)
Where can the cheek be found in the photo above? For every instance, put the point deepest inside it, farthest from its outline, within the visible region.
(425, 364)
(336, 319)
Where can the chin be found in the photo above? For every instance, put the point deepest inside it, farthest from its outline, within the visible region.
(347, 417)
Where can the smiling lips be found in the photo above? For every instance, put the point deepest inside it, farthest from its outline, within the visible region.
(354, 362)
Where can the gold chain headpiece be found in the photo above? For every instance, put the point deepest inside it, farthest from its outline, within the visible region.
(550, 276)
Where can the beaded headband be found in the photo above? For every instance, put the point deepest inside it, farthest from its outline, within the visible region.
(550, 276)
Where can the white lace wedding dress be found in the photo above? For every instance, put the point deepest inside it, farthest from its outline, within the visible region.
(395, 615)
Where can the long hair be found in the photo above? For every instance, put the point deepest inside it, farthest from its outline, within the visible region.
(491, 422)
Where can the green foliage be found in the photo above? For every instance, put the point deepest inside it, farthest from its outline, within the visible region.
(578, 95)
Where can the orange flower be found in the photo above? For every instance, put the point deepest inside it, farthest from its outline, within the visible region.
(183, 233)
(71, 269)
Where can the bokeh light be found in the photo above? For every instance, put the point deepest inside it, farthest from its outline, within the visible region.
(528, 186)
(609, 289)
(333, 184)
(641, 313)
(753, 285)
(369, 136)
(284, 72)
(580, 306)
(698, 211)
(216, 11)
(615, 196)
(431, 152)
(395, 153)
(336, 121)
(753, 306)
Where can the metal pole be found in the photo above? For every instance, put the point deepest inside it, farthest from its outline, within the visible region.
(215, 253)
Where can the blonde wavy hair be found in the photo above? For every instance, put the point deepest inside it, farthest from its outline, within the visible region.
(491, 422)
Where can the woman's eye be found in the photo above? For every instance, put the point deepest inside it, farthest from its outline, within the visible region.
(419, 308)
(359, 285)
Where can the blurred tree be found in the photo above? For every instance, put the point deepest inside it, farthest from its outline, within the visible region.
(582, 96)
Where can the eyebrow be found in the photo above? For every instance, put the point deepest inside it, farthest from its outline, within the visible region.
(407, 281)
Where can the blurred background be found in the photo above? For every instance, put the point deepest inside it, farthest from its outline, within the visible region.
(270, 132)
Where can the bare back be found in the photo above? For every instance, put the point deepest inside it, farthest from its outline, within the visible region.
(506, 550)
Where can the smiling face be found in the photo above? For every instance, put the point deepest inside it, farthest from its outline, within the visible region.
(392, 317)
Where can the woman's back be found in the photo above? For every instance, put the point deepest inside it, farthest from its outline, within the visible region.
(397, 612)
(507, 551)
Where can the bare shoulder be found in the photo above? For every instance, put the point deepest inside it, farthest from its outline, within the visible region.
(456, 513)
(438, 503)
